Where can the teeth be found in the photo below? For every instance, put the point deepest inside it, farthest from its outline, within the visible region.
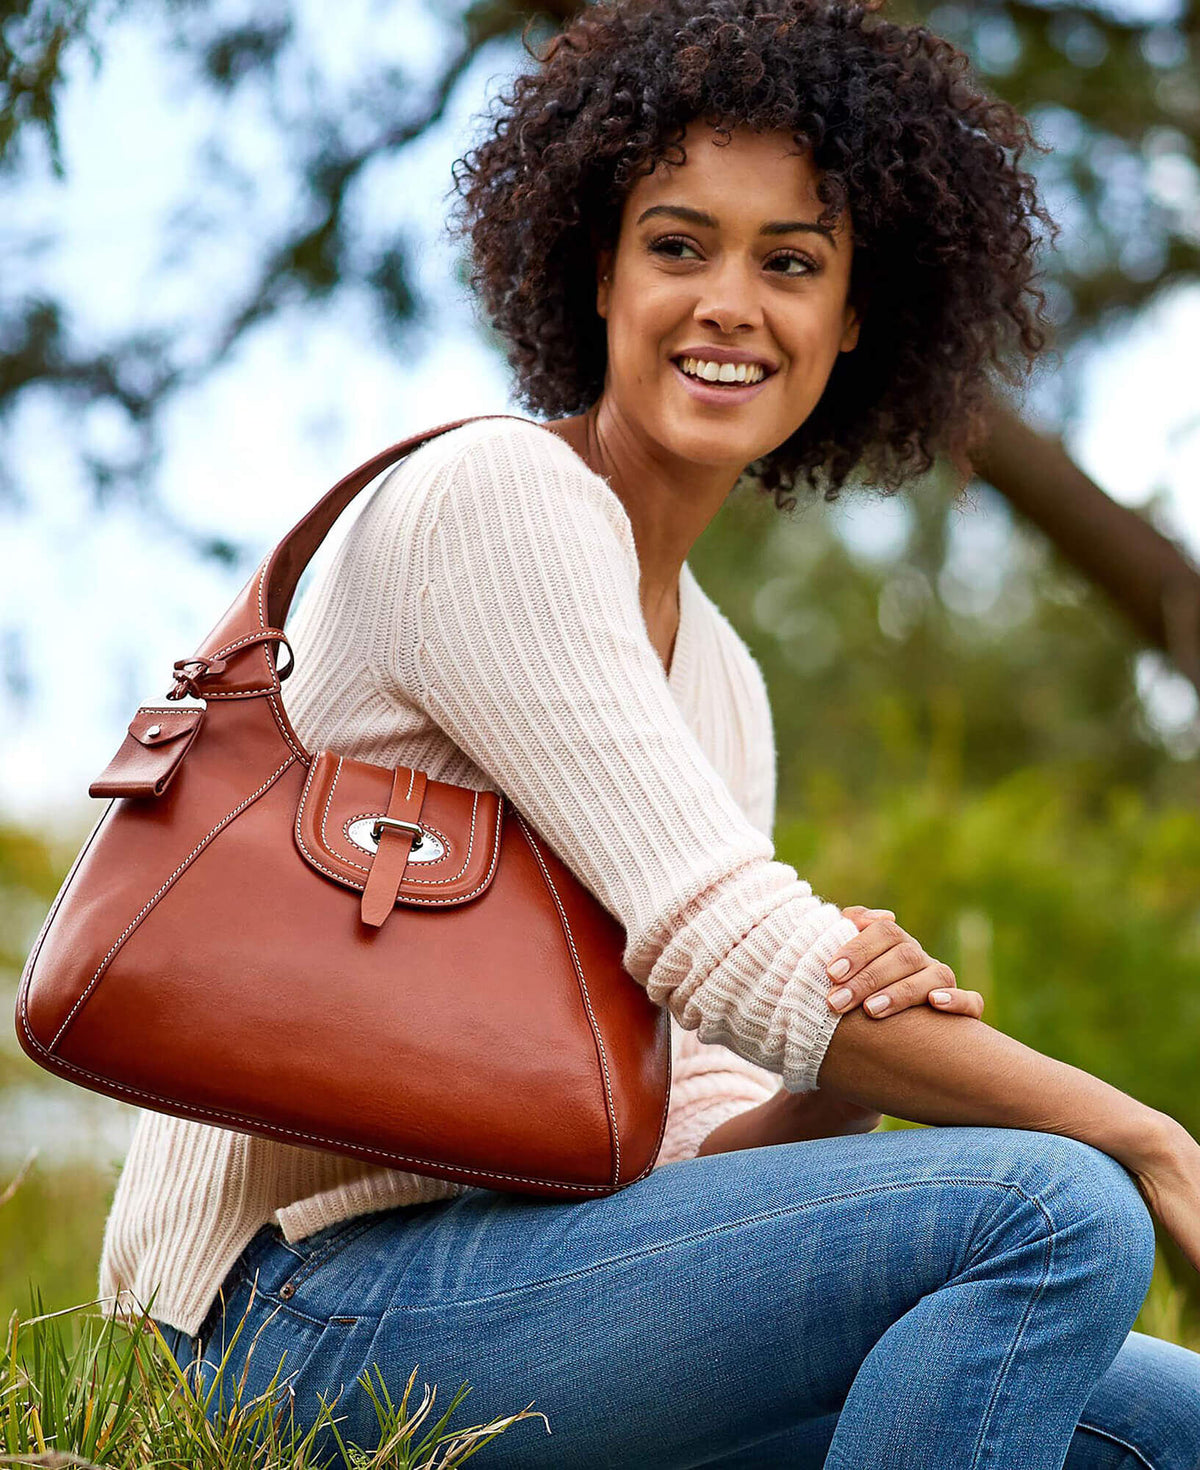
(722, 372)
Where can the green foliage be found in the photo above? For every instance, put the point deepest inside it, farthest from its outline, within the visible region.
(1082, 932)
(962, 650)
(999, 788)
(50, 1230)
(79, 1389)
(983, 766)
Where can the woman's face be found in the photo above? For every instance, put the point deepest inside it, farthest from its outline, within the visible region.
(722, 252)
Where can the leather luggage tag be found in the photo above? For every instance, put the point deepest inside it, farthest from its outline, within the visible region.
(153, 750)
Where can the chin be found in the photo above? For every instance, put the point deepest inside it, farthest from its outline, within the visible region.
(710, 444)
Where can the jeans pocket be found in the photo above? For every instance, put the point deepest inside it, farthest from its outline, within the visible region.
(317, 1250)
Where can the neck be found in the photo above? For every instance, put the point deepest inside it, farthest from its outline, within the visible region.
(669, 501)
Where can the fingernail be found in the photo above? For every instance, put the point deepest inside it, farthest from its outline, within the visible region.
(839, 968)
(940, 997)
(839, 997)
(877, 1004)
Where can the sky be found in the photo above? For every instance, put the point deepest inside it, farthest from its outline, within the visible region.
(108, 604)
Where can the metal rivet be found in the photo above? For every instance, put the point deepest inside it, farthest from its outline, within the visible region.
(154, 730)
(287, 1290)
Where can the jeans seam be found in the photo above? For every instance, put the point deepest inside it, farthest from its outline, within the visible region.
(294, 1372)
(1012, 1351)
(655, 1249)
(1116, 1439)
(353, 1228)
(367, 1360)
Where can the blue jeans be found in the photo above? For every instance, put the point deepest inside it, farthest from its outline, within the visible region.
(929, 1298)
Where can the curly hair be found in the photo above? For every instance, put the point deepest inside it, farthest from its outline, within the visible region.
(925, 161)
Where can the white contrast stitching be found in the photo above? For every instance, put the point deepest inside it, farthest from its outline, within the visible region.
(337, 771)
(239, 693)
(1116, 1439)
(204, 841)
(237, 643)
(612, 1113)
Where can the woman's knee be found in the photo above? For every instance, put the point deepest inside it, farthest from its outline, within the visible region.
(1086, 1196)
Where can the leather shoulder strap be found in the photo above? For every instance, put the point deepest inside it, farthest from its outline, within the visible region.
(289, 559)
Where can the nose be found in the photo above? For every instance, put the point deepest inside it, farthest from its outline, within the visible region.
(728, 300)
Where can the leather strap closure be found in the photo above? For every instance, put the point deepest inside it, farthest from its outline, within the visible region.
(395, 843)
(342, 800)
(189, 683)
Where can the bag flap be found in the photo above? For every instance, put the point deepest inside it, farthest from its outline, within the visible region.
(159, 726)
(460, 831)
(150, 754)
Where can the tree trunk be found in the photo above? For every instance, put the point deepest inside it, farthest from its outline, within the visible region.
(1146, 574)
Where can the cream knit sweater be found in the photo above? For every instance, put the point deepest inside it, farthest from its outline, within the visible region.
(481, 621)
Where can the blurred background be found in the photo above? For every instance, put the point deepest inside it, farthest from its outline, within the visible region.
(225, 281)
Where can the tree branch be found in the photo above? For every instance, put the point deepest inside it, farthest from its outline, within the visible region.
(1147, 575)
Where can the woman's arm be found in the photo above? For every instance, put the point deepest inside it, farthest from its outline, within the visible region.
(789, 1117)
(517, 628)
(932, 1068)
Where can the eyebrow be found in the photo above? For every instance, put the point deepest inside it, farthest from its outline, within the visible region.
(708, 221)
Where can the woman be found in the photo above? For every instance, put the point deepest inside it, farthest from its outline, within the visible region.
(513, 610)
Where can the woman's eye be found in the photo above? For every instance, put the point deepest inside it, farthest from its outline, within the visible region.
(669, 245)
(670, 240)
(809, 266)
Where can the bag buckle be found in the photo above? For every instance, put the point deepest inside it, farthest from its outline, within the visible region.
(381, 822)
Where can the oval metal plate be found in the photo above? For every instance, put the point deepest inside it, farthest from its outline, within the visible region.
(430, 850)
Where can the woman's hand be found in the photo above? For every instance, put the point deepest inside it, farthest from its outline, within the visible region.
(887, 970)
(1168, 1179)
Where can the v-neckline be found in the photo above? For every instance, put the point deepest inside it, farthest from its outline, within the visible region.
(674, 674)
(678, 660)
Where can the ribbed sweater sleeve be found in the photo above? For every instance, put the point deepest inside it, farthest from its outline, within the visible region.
(522, 636)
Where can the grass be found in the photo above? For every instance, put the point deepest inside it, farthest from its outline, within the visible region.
(80, 1389)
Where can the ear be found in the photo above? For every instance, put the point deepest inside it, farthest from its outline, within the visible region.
(604, 261)
(850, 329)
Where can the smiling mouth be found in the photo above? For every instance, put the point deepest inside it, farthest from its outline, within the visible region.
(732, 389)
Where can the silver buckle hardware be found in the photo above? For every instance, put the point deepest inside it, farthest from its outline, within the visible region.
(381, 822)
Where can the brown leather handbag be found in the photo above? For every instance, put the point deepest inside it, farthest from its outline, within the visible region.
(335, 954)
